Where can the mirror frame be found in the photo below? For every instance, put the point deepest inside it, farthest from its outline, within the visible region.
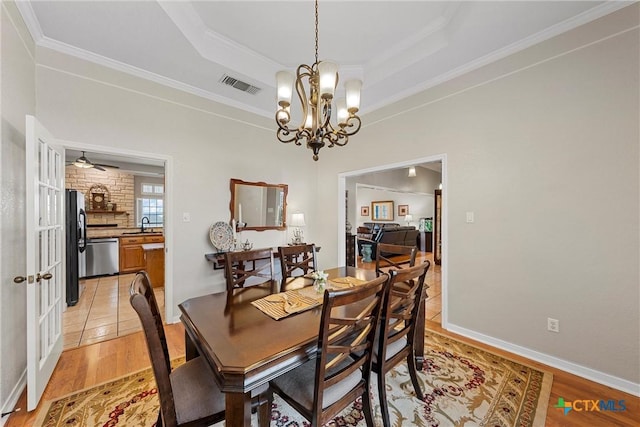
(232, 204)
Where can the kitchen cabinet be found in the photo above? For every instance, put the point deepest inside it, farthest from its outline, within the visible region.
(131, 252)
(154, 263)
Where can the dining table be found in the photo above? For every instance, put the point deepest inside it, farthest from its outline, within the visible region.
(244, 346)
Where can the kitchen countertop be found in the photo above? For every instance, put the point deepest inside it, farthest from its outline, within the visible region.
(152, 246)
(96, 233)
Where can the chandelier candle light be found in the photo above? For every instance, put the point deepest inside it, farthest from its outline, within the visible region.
(316, 85)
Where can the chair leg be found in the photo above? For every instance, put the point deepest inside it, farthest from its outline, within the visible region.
(382, 396)
(411, 362)
(264, 411)
(159, 421)
(366, 406)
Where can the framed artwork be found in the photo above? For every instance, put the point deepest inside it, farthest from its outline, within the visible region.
(382, 210)
(403, 210)
(364, 211)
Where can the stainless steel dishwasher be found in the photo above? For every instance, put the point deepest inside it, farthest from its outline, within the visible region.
(102, 257)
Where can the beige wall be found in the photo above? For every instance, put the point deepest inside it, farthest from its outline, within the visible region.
(527, 151)
(18, 99)
(207, 144)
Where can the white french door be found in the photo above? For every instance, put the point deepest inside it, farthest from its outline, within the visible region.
(45, 275)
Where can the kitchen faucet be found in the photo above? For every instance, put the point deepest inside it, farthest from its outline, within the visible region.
(142, 223)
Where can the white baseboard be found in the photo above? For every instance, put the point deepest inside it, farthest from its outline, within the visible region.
(14, 396)
(573, 368)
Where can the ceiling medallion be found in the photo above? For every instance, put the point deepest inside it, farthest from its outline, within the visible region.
(316, 85)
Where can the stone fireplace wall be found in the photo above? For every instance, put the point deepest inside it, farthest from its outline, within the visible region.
(121, 193)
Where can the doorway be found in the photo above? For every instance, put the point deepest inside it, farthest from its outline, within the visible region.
(386, 176)
(129, 186)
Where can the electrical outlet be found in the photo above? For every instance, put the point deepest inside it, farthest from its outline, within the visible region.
(186, 217)
(553, 325)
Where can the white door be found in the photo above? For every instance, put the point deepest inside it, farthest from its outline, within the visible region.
(45, 275)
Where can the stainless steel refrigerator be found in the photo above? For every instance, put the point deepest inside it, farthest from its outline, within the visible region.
(76, 240)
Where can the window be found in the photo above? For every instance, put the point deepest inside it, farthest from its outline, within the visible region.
(152, 209)
(151, 206)
(152, 189)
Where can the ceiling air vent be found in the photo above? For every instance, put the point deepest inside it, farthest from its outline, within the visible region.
(240, 85)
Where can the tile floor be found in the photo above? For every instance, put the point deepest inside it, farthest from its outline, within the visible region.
(103, 311)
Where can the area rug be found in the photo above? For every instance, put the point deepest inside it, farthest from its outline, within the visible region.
(463, 386)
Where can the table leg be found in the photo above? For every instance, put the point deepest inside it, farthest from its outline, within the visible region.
(190, 350)
(418, 344)
(238, 409)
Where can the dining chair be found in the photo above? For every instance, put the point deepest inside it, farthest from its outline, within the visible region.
(296, 260)
(397, 331)
(189, 395)
(394, 256)
(249, 268)
(319, 389)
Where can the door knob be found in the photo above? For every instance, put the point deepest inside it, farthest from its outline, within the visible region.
(45, 276)
(19, 279)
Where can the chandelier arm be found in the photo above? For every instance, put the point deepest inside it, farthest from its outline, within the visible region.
(352, 121)
(303, 71)
(282, 134)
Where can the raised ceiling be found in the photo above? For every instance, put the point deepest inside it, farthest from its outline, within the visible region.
(398, 48)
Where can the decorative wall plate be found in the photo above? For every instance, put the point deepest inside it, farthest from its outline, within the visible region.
(221, 236)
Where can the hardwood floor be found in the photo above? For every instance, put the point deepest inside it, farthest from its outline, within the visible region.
(93, 364)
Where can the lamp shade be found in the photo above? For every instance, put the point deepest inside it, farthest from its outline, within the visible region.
(352, 88)
(284, 81)
(343, 114)
(297, 220)
(328, 75)
(408, 218)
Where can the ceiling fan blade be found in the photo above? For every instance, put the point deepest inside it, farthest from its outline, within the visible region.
(100, 168)
(106, 166)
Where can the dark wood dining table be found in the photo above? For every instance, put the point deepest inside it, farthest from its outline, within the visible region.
(245, 347)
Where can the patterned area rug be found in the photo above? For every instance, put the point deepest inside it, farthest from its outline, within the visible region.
(463, 386)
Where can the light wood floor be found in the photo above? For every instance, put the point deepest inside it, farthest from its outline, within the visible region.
(93, 364)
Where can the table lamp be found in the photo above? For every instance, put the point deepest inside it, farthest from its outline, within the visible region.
(297, 221)
(408, 218)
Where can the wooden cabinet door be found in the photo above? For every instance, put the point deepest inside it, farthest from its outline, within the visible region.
(154, 265)
(131, 258)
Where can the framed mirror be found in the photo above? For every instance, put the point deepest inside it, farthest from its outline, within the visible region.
(260, 206)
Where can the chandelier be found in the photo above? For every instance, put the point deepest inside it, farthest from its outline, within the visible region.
(316, 85)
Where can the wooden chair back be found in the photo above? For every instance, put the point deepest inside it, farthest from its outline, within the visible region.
(400, 315)
(296, 260)
(395, 256)
(249, 268)
(348, 328)
(144, 302)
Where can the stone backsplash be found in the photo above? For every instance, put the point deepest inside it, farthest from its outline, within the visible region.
(121, 193)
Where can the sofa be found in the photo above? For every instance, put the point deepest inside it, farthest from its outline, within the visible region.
(391, 234)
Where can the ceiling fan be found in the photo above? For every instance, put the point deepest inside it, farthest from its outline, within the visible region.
(84, 163)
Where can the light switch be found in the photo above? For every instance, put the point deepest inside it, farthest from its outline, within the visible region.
(186, 217)
(470, 217)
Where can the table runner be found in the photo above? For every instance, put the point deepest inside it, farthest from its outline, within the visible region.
(283, 304)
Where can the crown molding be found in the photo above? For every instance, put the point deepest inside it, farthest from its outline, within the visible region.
(218, 48)
(67, 49)
(562, 27)
(30, 20)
